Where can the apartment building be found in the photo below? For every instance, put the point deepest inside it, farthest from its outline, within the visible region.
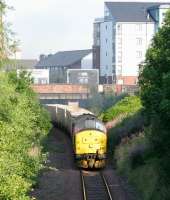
(122, 37)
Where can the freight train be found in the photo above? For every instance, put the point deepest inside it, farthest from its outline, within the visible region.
(88, 134)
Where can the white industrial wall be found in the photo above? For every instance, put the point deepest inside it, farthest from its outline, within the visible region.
(106, 48)
(130, 52)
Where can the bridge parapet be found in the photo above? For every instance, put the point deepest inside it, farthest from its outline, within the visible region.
(59, 93)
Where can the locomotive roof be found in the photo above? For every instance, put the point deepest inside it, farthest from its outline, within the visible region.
(73, 110)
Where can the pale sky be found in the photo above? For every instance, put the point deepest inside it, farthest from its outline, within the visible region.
(48, 26)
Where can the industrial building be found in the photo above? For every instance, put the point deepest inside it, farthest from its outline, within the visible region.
(122, 37)
(59, 63)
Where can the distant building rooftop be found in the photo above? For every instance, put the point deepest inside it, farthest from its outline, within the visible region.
(21, 64)
(132, 11)
(63, 58)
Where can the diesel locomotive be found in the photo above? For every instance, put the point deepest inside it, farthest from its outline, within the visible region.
(88, 134)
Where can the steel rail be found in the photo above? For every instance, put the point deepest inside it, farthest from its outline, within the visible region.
(107, 186)
(104, 183)
(83, 186)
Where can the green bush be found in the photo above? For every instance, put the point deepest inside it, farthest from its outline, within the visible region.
(23, 125)
(126, 107)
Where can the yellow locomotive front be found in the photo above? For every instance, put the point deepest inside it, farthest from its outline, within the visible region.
(90, 142)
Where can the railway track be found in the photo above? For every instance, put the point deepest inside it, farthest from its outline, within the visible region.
(95, 186)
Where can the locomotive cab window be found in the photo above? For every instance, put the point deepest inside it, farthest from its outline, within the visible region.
(91, 123)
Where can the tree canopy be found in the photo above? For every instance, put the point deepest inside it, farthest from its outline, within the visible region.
(154, 81)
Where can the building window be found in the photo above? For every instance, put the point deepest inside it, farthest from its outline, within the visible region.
(106, 53)
(139, 41)
(119, 72)
(106, 40)
(106, 27)
(139, 54)
(119, 28)
(119, 67)
(119, 53)
(119, 47)
(119, 56)
(106, 67)
(119, 60)
(83, 80)
(138, 27)
(119, 41)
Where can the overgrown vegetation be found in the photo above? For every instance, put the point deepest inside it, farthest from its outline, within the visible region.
(23, 125)
(126, 107)
(127, 119)
(155, 95)
(131, 156)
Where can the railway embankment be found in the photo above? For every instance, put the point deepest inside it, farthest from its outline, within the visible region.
(129, 147)
(126, 141)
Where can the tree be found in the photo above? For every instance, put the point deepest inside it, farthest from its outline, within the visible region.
(154, 82)
(8, 45)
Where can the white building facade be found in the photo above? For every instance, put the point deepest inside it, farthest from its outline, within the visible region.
(122, 38)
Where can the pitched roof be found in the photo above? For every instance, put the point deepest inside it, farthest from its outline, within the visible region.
(63, 58)
(60, 89)
(131, 11)
(21, 64)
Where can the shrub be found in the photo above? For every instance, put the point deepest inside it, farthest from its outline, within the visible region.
(136, 156)
(23, 125)
(130, 153)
